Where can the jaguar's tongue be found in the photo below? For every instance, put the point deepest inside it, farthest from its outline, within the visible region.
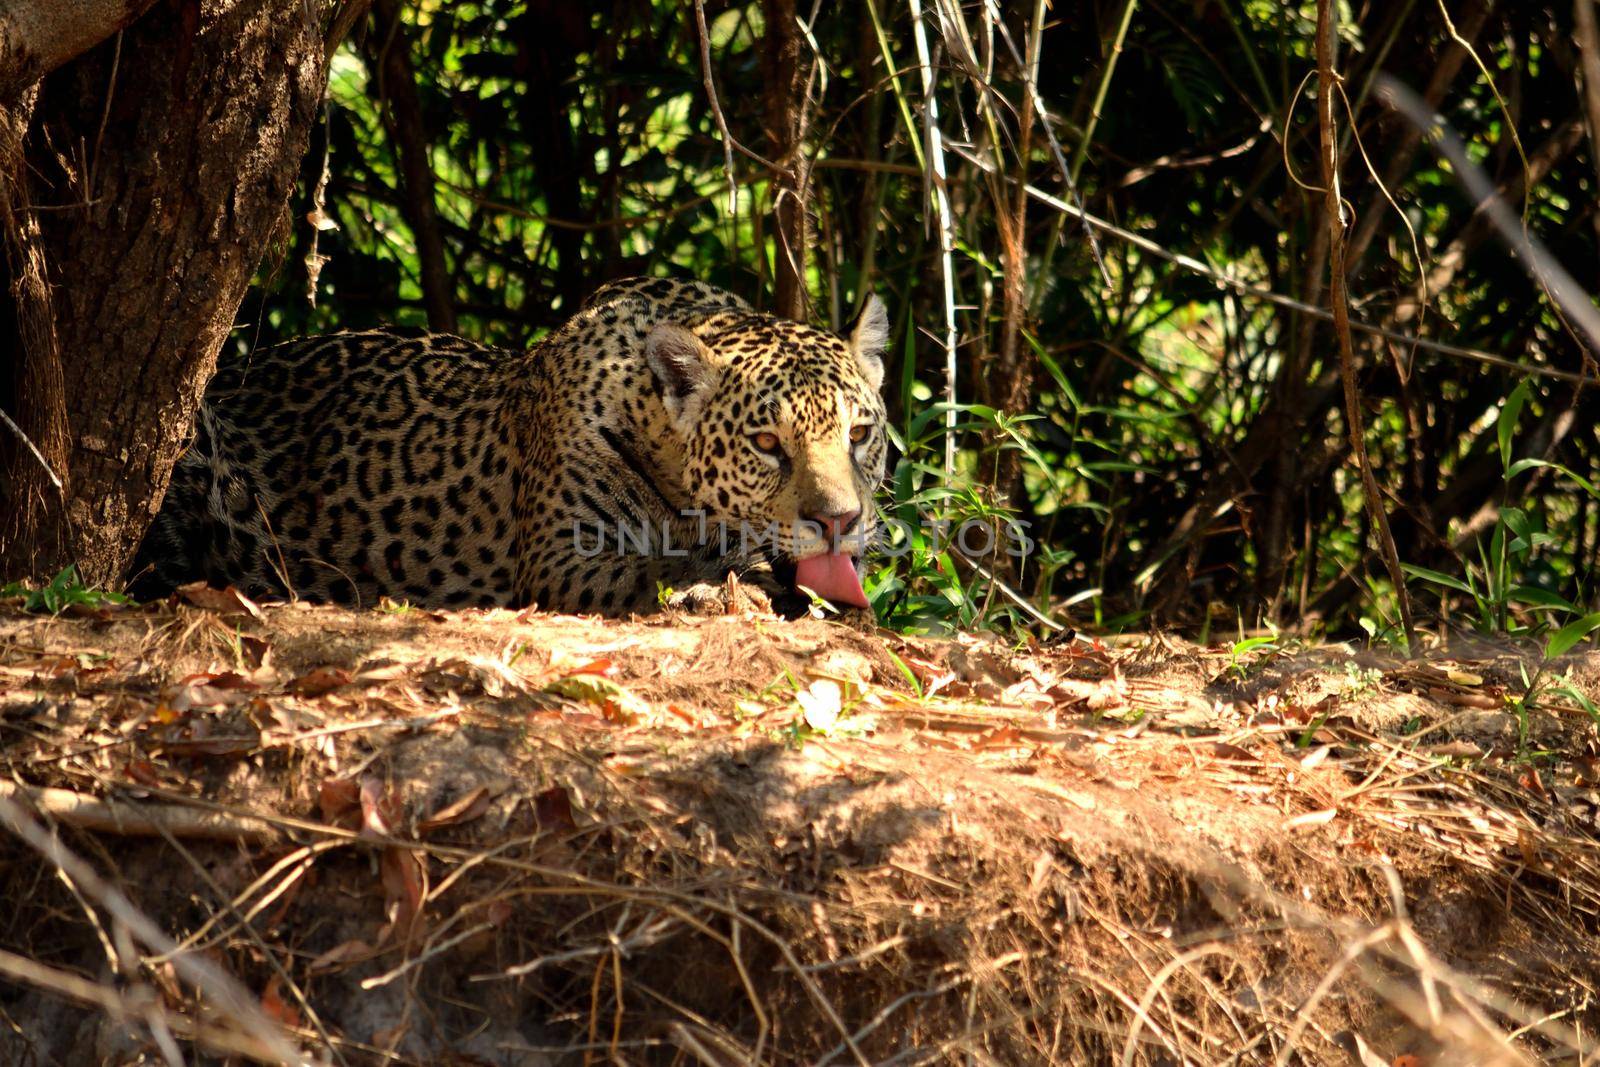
(833, 576)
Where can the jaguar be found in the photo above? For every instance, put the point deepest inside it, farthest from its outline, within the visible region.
(664, 437)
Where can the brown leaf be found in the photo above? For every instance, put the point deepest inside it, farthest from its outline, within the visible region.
(553, 809)
(380, 808)
(340, 801)
(274, 1007)
(321, 680)
(257, 651)
(687, 715)
(340, 956)
(601, 665)
(1227, 751)
(227, 601)
(390, 1039)
(1484, 701)
(465, 809)
(1528, 845)
(1007, 736)
(205, 691)
(401, 871)
(144, 772)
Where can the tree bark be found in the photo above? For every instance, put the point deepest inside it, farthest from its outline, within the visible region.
(163, 187)
(37, 36)
(33, 446)
(1588, 36)
(389, 54)
(786, 123)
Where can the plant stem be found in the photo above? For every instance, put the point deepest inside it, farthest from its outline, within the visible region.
(1338, 300)
(1100, 91)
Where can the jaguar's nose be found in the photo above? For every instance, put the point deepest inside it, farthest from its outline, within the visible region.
(835, 524)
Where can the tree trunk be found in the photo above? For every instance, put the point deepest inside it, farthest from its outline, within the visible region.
(37, 36)
(164, 162)
(786, 128)
(33, 447)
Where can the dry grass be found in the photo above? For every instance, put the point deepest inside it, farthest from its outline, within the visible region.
(490, 838)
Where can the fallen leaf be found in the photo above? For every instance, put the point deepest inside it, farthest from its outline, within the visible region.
(205, 691)
(144, 772)
(227, 601)
(400, 869)
(1586, 770)
(339, 956)
(1316, 758)
(403, 878)
(257, 651)
(683, 713)
(340, 801)
(1528, 845)
(1484, 701)
(319, 681)
(1227, 751)
(553, 810)
(390, 1039)
(380, 807)
(201, 743)
(618, 705)
(600, 665)
(1311, 818)
(464, 809)
(1007, 736)
(383, 672)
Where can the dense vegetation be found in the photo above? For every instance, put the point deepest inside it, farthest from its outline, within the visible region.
(1172, 432)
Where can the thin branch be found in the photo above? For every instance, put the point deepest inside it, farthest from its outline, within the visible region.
(222, 991)
(395, 84)
(1563, 288)
(939, 192)
(1189, 263)
(1333, 211)
(138, 820)
(716, 105)
(1110, 68)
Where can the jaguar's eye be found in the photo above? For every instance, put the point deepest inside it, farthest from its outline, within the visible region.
(859, 433)
(765, 442)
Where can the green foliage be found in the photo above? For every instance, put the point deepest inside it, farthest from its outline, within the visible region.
(63, 592)
(1170, 443)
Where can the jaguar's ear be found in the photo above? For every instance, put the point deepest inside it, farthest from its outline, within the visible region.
(683, 371)
(869, 337)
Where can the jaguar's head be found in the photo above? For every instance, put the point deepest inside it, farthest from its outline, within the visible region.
(782, 428)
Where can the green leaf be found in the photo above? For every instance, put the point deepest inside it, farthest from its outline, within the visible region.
(1438, 578)
(1522, 465)
(1533, 596)
(1570, 634)
(1507, 423)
